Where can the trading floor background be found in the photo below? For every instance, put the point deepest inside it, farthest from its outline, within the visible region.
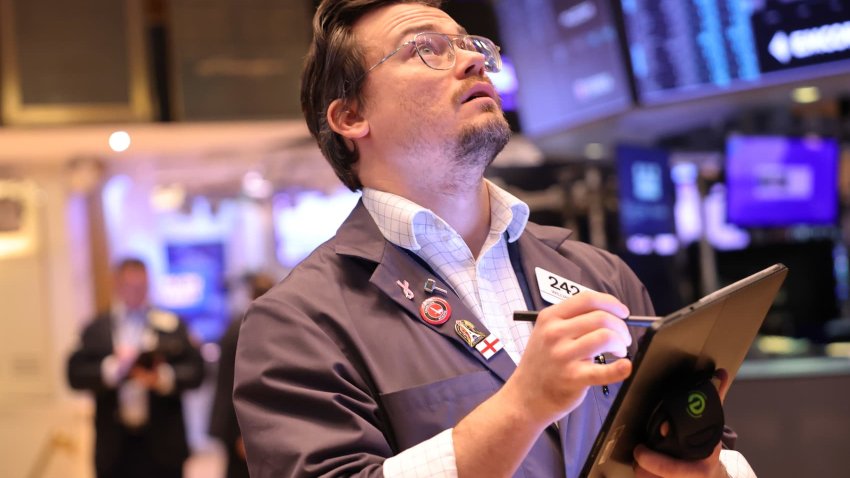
(699, 140)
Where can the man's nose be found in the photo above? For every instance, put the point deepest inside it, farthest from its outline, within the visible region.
(471, 63)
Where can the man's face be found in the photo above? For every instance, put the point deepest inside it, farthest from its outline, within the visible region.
(131, 287)
(415, 111)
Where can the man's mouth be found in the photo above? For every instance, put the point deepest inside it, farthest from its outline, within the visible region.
(480, 90)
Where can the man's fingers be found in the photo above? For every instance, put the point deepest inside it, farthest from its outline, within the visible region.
(576, 327)
(721, 381)
(589, 373)
(584, 302)
(662, 465)
(591, 344)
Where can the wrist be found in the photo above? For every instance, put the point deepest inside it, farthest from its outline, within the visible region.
(522, 408)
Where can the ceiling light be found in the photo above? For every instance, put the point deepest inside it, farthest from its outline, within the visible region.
(254, 185)
(805, 94)
(119, 141)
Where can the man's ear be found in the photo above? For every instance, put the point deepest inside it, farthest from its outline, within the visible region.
(345, 119)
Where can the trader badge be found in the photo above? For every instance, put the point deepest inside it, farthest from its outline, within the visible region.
(435, 310)
(466, 330)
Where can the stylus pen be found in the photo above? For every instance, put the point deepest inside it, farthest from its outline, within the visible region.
(633, 320)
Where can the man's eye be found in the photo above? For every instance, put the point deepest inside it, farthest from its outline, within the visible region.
(411, 51)
(431, 48)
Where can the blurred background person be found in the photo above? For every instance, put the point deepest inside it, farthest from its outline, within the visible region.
(137, 360)
(223, 424)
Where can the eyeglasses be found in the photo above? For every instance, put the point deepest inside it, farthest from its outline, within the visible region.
(437, 50)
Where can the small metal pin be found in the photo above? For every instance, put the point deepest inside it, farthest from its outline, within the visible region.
(431, 287)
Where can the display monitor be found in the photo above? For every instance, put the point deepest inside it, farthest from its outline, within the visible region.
(682, 49)
(645, 191)
(775, 181)
(570, 65)
(194, 287)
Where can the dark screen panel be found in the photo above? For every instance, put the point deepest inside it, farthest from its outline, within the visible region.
(569, 62)
(692, 48)
(645, 190)
(67, 51)
(807, 299)
(794, 35)
(67, 62)
(237, 59)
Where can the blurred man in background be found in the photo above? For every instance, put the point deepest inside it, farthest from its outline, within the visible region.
(136, 360)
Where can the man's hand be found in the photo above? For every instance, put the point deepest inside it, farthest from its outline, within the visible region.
(125, 357)
(557, 367)
(149, 378)
(552, 379)
(650, 464)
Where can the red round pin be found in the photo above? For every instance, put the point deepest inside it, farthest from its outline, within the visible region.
(435, 310)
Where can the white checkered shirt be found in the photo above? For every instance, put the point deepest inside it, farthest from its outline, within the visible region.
(486, 285)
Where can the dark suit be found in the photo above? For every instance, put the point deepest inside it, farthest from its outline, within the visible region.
(336, 372)
(223, 424)
(160, 446)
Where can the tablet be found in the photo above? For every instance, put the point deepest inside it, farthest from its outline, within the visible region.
(714, 332)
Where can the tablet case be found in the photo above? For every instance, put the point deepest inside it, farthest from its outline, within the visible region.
(714, 332)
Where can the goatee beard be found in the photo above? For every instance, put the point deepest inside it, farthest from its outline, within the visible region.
(478, 145)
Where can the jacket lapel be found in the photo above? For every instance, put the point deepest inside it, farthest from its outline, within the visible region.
(359, 236)
(398, 265)
(104, 332)
(538, 248)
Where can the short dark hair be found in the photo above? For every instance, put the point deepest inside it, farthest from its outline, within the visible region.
(334, 69)
(130, 263)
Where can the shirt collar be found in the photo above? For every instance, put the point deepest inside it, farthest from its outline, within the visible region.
(121, 313)
(402, 221)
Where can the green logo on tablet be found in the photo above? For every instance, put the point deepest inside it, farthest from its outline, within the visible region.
(696, 404)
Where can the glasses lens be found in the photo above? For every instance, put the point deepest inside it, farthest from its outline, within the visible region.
(485, 46)
(435, 50)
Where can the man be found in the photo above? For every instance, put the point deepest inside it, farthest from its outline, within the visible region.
(137, 360)
(391, 351)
